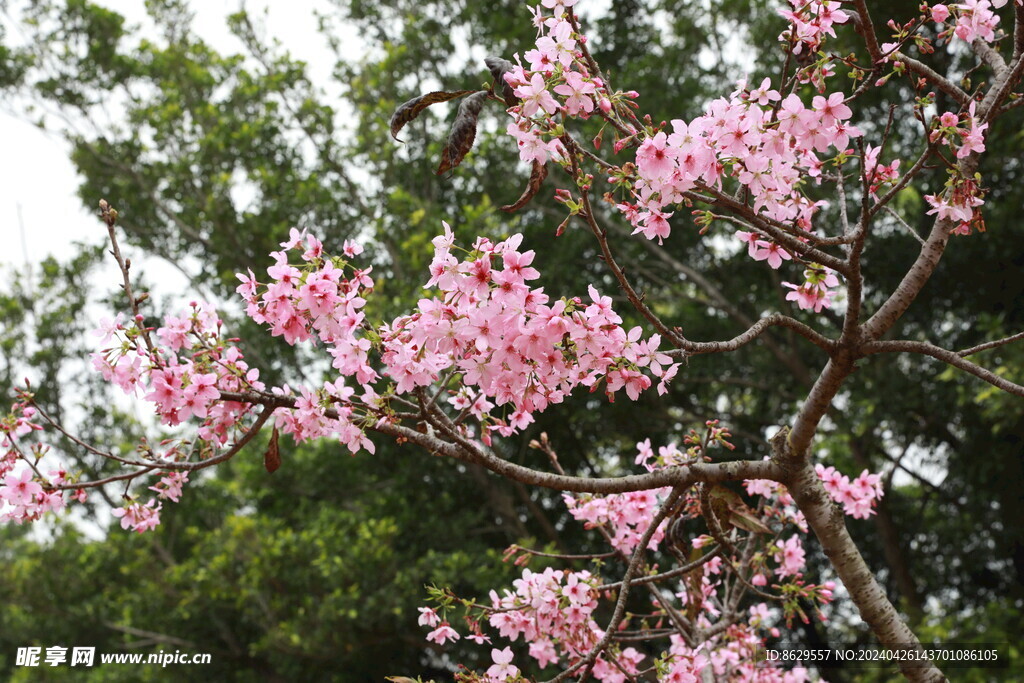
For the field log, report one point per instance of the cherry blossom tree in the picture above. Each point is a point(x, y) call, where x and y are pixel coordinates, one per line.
point(718, 570)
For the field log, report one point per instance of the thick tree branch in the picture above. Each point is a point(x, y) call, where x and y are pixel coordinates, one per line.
point(467, 450)
point(989, 56)
point(817, 404)
point(867, 29)
point(826, 520)
point(1018, 31)
point(1003, 86)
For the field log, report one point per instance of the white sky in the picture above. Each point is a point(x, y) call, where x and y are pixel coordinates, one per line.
point(36, 174)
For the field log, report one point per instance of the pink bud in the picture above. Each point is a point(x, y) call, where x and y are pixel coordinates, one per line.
point(632, 94)
point(558, 233)
point(605, 104)
point(940, 13)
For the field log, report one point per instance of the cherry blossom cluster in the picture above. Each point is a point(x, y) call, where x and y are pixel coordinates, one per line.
point(316, 297)
point(810, 23)
point(817, 290)
point(555, 67)
point(974, 19)
point(970, 139)
point(961, 199)
point(626, 515)
point(26, 495)
point(183, 373)
point(320, 297)
point(858, 497)
point(766, 143)
point(512, 346)
point(18, 423)
point(876, 173)
point(743, 137)
point(27, 500)
point(142, 517)
point(514, 349)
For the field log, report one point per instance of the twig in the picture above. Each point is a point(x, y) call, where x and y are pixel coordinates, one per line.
point(950, 357)
point(899, 218)
point(990, 345)
point(109, 216)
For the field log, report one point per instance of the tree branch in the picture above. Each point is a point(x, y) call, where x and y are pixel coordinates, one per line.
point(951, 357)
point(990, 345)
point(940, 81)
point(775, 319)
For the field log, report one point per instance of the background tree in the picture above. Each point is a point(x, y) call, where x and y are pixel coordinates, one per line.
point(202, 125)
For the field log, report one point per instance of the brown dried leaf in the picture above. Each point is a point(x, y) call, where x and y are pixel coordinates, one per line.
point(499, 67)
point(463, 132)
point(730, 510)
point(694, 593)
point(537, 176)
point(411, 109)
point(272, 456)
point(744, 518)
